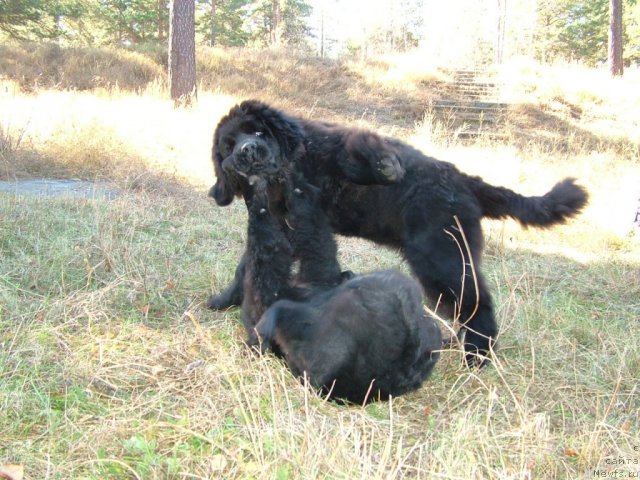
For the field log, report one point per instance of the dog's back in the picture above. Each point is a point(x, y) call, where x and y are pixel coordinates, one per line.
point(367, 338)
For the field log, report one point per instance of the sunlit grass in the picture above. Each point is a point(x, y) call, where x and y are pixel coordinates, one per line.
point(65, 133)
point(112, 364)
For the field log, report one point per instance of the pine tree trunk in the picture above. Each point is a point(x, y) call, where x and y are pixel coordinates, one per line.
point(160, 26)
point(615, 38)
point(502, 20)
point(182, 52)
point(275, 22)
point(212, 40)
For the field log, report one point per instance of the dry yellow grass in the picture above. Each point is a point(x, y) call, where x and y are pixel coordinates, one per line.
point(110, 366)
point(109, 135)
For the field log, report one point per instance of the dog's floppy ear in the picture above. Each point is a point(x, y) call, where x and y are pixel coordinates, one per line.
point(224, 189)
point(286, 129)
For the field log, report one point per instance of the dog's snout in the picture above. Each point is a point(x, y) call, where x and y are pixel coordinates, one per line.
point(248, 146)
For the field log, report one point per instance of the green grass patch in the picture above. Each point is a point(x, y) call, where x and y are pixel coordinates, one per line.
point(111, 367)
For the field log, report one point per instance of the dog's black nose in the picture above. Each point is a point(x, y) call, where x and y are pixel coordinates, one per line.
point(248, 146)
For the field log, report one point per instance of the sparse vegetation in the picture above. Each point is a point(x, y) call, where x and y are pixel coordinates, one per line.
point(111, 367)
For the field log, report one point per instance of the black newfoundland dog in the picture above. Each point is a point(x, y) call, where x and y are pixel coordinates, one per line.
point(387, 191)
point(363, 340)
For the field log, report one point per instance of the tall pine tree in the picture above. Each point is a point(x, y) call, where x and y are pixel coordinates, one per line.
point(281, 22)
point(182, 52)
point(222, 22)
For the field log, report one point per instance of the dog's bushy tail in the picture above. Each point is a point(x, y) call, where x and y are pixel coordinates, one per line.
point(565, 200)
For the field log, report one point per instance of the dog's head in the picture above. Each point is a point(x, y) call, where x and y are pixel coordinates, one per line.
point(252, 140)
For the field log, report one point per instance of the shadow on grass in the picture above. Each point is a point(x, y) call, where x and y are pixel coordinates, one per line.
point(529, 125)
point(123, 173)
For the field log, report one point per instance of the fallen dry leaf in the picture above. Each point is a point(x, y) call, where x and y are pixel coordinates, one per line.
point(218, 462)
point(193, 350)
point(11, 472)
point(570, 452)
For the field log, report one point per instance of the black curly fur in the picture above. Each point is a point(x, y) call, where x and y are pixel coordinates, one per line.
point(363, 340)
point(268, 263)
point(360, 341)
point(389, 192)
point(285, 224)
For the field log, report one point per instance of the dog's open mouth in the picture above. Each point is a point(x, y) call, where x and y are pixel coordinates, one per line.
point(252, 178)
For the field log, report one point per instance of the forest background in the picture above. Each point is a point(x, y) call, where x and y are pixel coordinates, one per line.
point(462, 31)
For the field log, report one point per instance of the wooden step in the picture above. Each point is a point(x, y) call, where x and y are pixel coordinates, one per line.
point(473, 106)
point(470, 113)
point(468, 116)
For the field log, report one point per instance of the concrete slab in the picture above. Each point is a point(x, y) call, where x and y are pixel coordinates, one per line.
point(59, 188)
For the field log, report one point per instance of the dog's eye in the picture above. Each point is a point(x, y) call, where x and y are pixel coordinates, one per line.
point(227, 147)
point(259, 134)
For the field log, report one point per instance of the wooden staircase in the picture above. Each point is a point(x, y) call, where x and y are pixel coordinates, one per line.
point(471, 108)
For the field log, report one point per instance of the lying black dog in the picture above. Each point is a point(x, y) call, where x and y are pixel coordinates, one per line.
point(363, 340)
point(385, 190)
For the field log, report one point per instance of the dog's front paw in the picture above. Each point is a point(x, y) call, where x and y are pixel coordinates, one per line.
point(220, 302)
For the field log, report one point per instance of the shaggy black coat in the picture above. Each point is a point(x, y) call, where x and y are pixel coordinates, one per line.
point(364, 340)
point(387, 191)
point(298, 228)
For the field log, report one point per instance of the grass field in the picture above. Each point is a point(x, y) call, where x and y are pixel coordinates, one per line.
point(111, 367)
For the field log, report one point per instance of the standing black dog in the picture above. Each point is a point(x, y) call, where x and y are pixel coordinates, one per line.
point(363, 340)
point(385, 190)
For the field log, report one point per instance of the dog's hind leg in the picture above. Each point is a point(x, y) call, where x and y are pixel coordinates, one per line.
point(442, 262)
